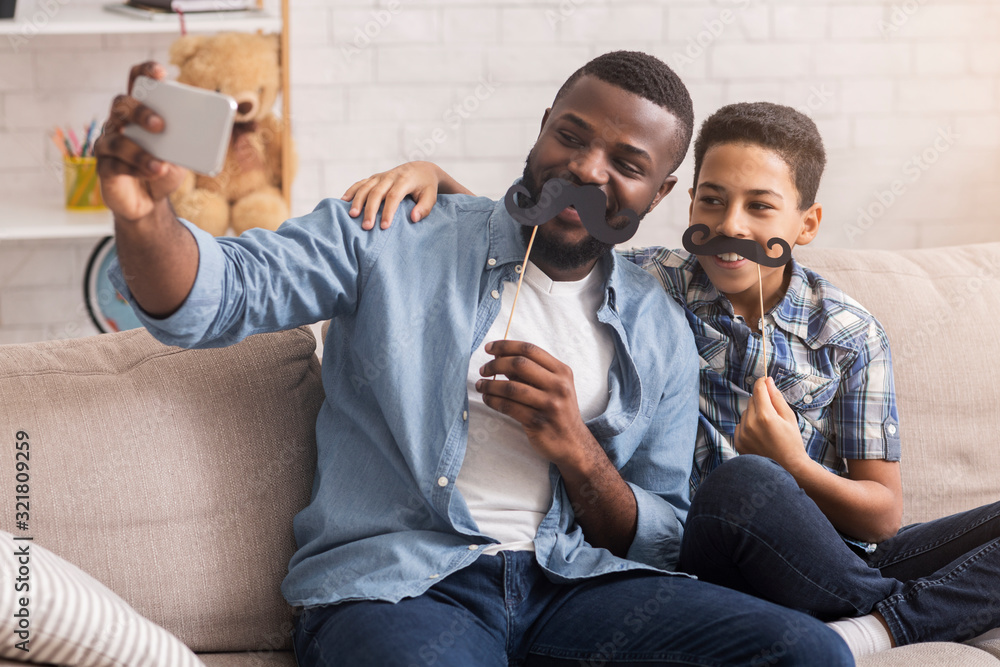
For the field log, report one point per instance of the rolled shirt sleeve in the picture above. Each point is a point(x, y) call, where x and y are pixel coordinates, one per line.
point(309, 270)
point(189, 323)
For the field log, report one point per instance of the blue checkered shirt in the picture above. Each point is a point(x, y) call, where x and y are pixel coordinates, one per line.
point(828, 356)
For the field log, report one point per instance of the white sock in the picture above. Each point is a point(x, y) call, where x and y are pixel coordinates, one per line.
point(864, 635)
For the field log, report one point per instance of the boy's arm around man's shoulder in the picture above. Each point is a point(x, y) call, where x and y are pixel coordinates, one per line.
point(659, 471)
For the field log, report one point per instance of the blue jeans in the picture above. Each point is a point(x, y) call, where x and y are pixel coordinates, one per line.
point(502, 610)
point(751, 528)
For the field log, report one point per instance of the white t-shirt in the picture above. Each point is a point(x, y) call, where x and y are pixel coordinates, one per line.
point(504, 481)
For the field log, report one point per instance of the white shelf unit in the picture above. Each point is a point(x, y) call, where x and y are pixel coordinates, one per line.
point(31, 220)
point(95, 20)
point(44, 219)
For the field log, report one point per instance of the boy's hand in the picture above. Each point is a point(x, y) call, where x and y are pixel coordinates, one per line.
point(133, 182)
point(540, 394)
point(418, 179)
point(770, 428)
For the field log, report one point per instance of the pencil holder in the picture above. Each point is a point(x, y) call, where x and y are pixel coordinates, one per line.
point(83, 189)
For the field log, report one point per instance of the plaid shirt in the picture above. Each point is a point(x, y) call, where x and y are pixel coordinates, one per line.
point(828, 356)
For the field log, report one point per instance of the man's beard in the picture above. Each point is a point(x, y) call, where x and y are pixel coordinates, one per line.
point(552, 252)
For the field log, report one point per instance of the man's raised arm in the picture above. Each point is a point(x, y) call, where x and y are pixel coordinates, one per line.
point(158, 255)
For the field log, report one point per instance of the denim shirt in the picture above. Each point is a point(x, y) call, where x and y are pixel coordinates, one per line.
point(408, 306)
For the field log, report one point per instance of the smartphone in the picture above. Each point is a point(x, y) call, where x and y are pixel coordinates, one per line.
point(197, 124)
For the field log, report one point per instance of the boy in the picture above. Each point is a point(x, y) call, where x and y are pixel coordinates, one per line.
point(775, 522)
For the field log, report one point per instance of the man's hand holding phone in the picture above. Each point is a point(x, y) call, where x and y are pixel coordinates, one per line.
point(134, 184)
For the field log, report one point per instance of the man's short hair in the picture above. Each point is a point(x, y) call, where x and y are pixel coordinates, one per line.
point(648, 77)
point(789, 133)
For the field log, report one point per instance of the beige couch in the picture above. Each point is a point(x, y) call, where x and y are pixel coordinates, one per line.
point(172, 476)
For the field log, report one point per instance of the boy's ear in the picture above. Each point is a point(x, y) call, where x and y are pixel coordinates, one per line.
point(691, 204)
point(810, 224)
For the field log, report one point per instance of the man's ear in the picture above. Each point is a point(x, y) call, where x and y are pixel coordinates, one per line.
point(665, 188)
point(810, 224)
point(545, 117)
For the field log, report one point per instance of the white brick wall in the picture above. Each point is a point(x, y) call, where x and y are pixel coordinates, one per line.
point(378, 81)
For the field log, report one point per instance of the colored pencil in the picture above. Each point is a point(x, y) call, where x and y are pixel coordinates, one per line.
point(59, 145)
point(86, 142)
point(76, 143)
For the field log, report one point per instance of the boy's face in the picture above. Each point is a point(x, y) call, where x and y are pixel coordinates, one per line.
point(746, 191)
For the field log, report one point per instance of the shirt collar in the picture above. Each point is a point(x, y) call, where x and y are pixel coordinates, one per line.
point(701, 293)
point(506, 244)
point(790, 314)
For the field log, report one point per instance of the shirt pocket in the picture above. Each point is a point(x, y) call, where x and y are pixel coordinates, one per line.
point(805, 392)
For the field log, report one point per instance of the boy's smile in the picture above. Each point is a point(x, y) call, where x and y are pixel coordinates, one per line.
point(746, 191)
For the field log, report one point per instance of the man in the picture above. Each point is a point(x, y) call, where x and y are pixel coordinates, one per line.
point(456, 518)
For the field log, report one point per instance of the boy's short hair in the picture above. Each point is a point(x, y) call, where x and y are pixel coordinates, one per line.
point(648, 77)
point(789, 133)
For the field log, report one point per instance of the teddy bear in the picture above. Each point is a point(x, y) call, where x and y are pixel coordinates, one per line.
point(247, 192)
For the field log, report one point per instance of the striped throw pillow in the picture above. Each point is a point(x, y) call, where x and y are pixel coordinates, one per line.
point(55, 613)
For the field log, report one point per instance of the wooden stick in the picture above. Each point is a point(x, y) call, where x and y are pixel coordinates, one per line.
point(524, 269)
point(763, 333)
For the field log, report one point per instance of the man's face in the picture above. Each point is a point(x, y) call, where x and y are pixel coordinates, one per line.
point(747, 192)
point(602, 135)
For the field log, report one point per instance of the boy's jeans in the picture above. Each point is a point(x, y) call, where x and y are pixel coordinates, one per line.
point(752, 529)
point(502, 610)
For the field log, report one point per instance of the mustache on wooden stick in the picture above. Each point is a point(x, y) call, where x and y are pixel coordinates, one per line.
point(743, 247)
point(590, 202)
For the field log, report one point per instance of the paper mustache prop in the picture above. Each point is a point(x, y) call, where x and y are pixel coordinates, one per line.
point(590, 202)
point(745, 248)
point(591, 205)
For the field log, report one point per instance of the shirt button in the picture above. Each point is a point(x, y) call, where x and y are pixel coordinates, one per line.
point(473, 547)
point(442, 481)
point(891, 429)
point(491, 262)
point(495, 294)
point(807, 399)
point(465, 415)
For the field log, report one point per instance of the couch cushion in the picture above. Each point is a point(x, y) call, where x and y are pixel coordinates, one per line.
point(170, 475)
point(937, 306)
point(931, 654)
